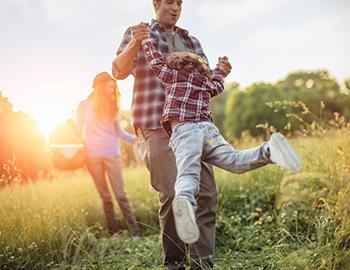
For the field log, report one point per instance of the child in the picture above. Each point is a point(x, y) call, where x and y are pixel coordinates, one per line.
point(187, 118)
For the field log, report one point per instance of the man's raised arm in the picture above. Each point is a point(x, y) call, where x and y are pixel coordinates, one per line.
point(127, 52)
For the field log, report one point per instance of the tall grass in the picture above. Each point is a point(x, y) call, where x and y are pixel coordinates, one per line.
point(61, 219)
point(267, 218)
point(272, 220)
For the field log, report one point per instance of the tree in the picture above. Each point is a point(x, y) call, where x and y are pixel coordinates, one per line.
point(308, 96)
point(22, 147)
point(218, 105)
point(347, 83)
point(246, 109)
point(312, 88)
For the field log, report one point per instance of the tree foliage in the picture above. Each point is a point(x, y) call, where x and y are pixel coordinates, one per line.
point(218, 105)
point(22, 146)
point(347, 83)
point(308, 95)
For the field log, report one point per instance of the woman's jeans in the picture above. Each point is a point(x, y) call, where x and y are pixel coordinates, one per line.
point(98, 167)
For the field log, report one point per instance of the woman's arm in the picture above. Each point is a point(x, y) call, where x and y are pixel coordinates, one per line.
point(121, 133)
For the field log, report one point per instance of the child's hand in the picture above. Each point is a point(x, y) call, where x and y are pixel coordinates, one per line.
point(139, 33)
point(224, 65)
point(146, 36)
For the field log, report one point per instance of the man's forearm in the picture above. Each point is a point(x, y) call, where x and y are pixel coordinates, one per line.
point(123, 64)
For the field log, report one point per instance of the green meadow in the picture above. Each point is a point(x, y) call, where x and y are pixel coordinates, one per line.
point(267, 219)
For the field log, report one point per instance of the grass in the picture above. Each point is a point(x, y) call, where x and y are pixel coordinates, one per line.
point(267, 219)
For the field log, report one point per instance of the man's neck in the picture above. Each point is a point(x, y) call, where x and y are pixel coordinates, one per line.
point(171, 29)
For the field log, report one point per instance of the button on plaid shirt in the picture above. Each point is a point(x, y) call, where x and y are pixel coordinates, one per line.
point(148, 94)
point(187, 94)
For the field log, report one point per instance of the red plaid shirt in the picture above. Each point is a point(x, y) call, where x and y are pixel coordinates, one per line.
point(187, 95)
point(148, 95)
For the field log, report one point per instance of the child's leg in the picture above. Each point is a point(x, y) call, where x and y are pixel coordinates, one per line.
point(187, 145)
point(220, 153)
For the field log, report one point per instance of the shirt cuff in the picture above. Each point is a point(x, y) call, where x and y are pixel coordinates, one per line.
point(218, 71)
point(147, 44)
point(117, 73)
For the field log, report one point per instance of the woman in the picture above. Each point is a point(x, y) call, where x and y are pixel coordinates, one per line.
point(97, 122)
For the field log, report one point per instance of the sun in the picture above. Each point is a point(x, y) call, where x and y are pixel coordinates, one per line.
point(46, 128)
point(47, 123)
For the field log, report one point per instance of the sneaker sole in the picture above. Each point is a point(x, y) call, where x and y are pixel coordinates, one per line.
point(291, 160)
point(186, 226)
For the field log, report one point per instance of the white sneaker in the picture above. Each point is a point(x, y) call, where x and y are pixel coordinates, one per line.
point(185, 221)
point(283, 154)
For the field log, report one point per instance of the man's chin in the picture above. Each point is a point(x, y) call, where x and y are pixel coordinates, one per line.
point(173, 20)
point(170, 24)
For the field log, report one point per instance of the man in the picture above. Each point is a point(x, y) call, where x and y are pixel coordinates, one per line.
point(147, 108)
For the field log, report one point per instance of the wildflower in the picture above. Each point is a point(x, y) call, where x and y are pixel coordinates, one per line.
point(269, 219)
point(309, 83)
point(258, 222)
point(32, 246)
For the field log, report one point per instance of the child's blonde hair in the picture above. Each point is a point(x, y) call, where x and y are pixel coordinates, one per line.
point(188, 62)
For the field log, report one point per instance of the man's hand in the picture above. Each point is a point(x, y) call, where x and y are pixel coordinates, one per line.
point(123, 64)
point(139, 33)
point(224, 65)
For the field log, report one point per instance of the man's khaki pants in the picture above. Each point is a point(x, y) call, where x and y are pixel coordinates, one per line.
point(160, 161)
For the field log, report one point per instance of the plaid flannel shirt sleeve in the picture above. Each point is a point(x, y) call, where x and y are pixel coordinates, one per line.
point(117, 73)
point(157, 63)
point(216, 85)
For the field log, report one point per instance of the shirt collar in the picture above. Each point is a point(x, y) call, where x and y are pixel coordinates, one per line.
point(156, 25)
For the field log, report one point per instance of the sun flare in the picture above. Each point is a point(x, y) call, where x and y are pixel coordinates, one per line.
point(46, 128)
point(47, 123)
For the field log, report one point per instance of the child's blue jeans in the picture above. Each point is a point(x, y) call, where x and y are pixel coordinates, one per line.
point(193, 142)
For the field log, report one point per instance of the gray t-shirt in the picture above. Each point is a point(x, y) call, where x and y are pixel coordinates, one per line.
point(175, 43)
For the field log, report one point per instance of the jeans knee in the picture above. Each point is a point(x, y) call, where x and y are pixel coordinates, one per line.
point(121, 196)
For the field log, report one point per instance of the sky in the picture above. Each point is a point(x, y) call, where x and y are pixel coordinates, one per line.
point(50, 50)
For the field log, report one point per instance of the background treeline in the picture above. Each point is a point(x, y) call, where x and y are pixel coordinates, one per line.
point(300, 102)
point(24, 153)
point(22, 146)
